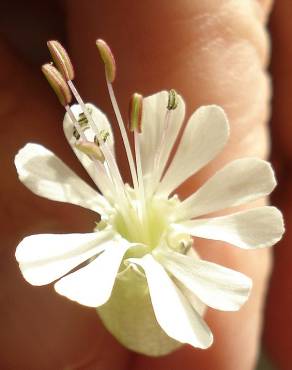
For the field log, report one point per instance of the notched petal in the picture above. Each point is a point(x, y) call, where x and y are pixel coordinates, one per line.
point(169, 303)
point(44, 258)
point(250, 229)
point(205, 135)
point(47, 176)
point(239, 182)
point(92, 285)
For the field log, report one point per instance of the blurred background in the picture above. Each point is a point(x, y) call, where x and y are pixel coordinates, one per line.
point(24, 29)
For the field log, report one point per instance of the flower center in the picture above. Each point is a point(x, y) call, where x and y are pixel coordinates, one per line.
point(152, 228)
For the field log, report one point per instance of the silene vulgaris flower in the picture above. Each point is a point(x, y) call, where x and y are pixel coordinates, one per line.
point(138, 267)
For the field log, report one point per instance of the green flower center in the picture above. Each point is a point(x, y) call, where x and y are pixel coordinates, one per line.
point(149, 228)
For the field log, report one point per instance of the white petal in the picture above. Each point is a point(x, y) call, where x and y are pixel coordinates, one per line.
point(153, 124)
point(195, 302)
point(128, 315)
point(44, 258)
point(254, 228)
point(239, 182)
point(172, 310)
point(204, 137)
point(215, 285)
point(95, 170)
point(92, 285)
point(47, 176)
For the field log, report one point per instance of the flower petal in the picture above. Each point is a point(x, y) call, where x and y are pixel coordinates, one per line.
point(153, 129)
point(92, 285)
point(253, 228)
point(215, 285)
point(204, 137)
point(47, 176)
point(129, 316)
point(44, 258)
point(172, 310)
point(98, 175)
point(197, 304)
point(239, 182)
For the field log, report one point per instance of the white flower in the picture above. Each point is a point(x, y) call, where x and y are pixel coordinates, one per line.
point(150, 287)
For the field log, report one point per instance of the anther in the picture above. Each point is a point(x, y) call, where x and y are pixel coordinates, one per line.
point(83, 123)
point(172, 100)
point(104, 134)
point(82, 119)
point(57, 83)
point(186, 245)
point(108, 59)
point(91, 149)
point(135, 113)
point(76, 133)
point(61, 59)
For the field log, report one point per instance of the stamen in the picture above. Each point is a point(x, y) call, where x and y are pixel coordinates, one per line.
point(135, 123)
point(104, 136)
point(57, 83)
point(91, 149)
point(109, 166)
point(172, 105)
point(110, 72)
point(158, 168)
point(124, 135)
point(141, 189)
point(108, 59)
point(83, 123)
point(79, 132)
point(186, 245)
point(135, 113)
point(61, 59)
point(121, 196)
point(109, 158)
point(63, 62)
point(172, 100)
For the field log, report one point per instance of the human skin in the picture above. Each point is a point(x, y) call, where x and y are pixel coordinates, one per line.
point(213, 51)
point(277, 333)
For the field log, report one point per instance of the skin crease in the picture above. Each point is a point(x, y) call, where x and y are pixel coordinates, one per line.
point(211, 53)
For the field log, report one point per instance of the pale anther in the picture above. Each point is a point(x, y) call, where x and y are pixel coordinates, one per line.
point(91, 149)
point(57, 83)
point(61, 59)
point(135, 112)
point(108, 59)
